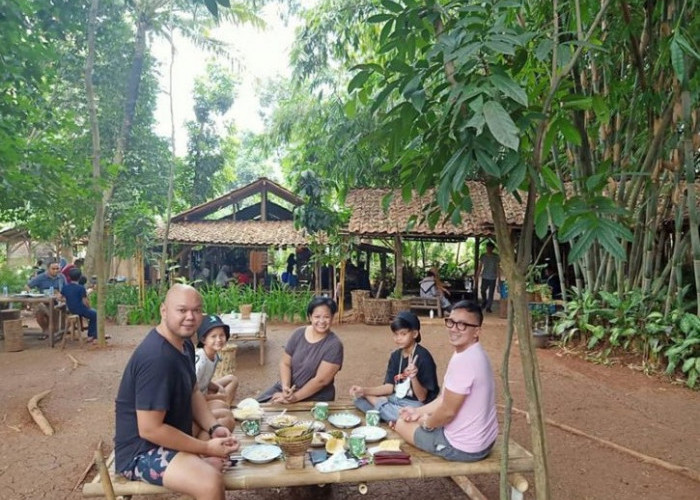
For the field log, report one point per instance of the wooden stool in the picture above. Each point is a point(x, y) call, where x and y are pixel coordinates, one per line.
point(73, 328)
point(14, 335)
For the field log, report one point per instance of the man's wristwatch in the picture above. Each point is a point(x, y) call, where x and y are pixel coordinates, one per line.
point(213, 428)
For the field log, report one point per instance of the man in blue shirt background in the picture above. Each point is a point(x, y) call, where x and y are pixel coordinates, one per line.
point(77, 302)
point(42, 282)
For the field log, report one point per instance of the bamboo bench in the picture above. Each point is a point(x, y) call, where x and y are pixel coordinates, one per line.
point(427, 304)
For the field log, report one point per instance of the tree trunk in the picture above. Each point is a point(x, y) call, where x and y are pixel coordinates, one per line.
point(690, 187)
point(132, 93)
point(171, 173)
point(520, 319)
point(98, 250)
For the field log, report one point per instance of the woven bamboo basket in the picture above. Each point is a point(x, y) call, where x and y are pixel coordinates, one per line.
point(377, 311)
point(294, 442)
point(357, 298)
point(14, 335)
point(398, 305)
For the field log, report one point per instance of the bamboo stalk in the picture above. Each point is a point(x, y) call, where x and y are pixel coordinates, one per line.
point(104, 476)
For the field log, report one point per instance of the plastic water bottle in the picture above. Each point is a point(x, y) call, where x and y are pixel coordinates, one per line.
point(50, 291)
point(5, 291)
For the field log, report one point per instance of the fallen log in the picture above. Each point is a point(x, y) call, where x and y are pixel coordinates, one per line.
point(37, 415)
point(678, 469)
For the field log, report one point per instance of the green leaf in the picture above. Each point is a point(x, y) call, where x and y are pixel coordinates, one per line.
point(551, 179)
point(602, 111)
point(690, 362)
point(212, 7)
point(225, 3)
point(358, 80)
point(485, 161)
point(509, 88)
point(685, 45)
point(350, 108)
point(379, 18)
point(392, 6)
point(569, 131)
point(677, 60)
point(501, 125)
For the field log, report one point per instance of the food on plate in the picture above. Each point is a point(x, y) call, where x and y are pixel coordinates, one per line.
point(315, 425)
point(390, 445)
point(248, 403)
point(279, 421)
point(337, 434)
point(335, 445)
point(266, 438)
point(247, 413)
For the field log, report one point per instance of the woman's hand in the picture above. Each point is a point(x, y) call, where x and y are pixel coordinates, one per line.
point(357, 392)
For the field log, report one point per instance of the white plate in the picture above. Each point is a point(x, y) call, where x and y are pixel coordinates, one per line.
point(373, 450)
point(266, 438)
point(261, 453)
point(370, 432)
point(317, 426)
point(344, 420)
point(248, 403)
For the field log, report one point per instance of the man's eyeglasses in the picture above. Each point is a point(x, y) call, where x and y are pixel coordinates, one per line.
point(461, 325)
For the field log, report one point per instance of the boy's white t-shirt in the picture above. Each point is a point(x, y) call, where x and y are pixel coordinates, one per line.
point(204, 368)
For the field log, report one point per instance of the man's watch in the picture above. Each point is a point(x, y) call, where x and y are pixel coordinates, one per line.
point(213, 428)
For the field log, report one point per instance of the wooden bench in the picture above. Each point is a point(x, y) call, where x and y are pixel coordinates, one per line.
point(427, 304)
point(245, 476)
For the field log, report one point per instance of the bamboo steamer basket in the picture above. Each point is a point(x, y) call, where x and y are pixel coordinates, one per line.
point(294, 441)
point(14, 335)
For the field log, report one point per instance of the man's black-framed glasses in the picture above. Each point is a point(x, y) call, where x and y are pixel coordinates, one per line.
point(461, 325)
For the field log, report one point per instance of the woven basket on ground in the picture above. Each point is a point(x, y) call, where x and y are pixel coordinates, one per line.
point(377, 311)
point(398, 305)
point(14, 335)
point(357, 298)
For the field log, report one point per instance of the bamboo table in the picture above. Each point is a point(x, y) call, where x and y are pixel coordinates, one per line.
point(253, 329)
point(246, 476)
point(52, 304)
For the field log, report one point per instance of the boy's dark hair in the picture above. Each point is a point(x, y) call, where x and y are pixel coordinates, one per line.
point(406, 320)
point(74, 274)
point(82, 280)
point(321, 301)
point(471, 307)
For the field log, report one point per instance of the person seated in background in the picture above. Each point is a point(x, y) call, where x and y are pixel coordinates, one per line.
point(311, 359)
point(222, 278)
point(411, 377)
point(77, 302)
point(212, 336)
point(51, 278)
point(77, 263)
point(430, 288)
point(461, 424)
point(38, 268)
point(552, 280)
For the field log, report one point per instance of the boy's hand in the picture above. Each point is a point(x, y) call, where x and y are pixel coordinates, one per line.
point(356, 391)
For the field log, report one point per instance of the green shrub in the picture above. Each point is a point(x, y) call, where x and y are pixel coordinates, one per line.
point(14, 278)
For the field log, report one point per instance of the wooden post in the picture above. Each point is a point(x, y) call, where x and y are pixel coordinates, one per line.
point(398, 261)
point(341, 298)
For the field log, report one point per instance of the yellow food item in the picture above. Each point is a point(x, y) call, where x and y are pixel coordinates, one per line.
point(335, 445)
point(390, 445)
point(246, 413)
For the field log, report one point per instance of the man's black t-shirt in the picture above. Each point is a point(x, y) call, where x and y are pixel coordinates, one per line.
point(427, 372)
point(157, 377)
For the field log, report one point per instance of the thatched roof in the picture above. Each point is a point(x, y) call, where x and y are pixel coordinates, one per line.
point(235, 233)
point(369, 219)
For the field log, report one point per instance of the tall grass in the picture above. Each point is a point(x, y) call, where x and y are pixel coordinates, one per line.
point(279, 303)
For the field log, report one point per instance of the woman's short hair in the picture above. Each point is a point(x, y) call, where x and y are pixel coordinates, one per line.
point(321, 301)
point(406, 320)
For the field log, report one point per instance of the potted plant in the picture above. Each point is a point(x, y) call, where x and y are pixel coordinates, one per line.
point(399, 303)
point(539, 319)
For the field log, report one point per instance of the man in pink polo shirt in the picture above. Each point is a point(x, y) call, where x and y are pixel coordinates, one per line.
point(461, 423)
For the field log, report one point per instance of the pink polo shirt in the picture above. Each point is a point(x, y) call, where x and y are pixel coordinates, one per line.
point(475, 426)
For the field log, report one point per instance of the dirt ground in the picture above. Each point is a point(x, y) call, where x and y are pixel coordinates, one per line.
point(616, 403)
